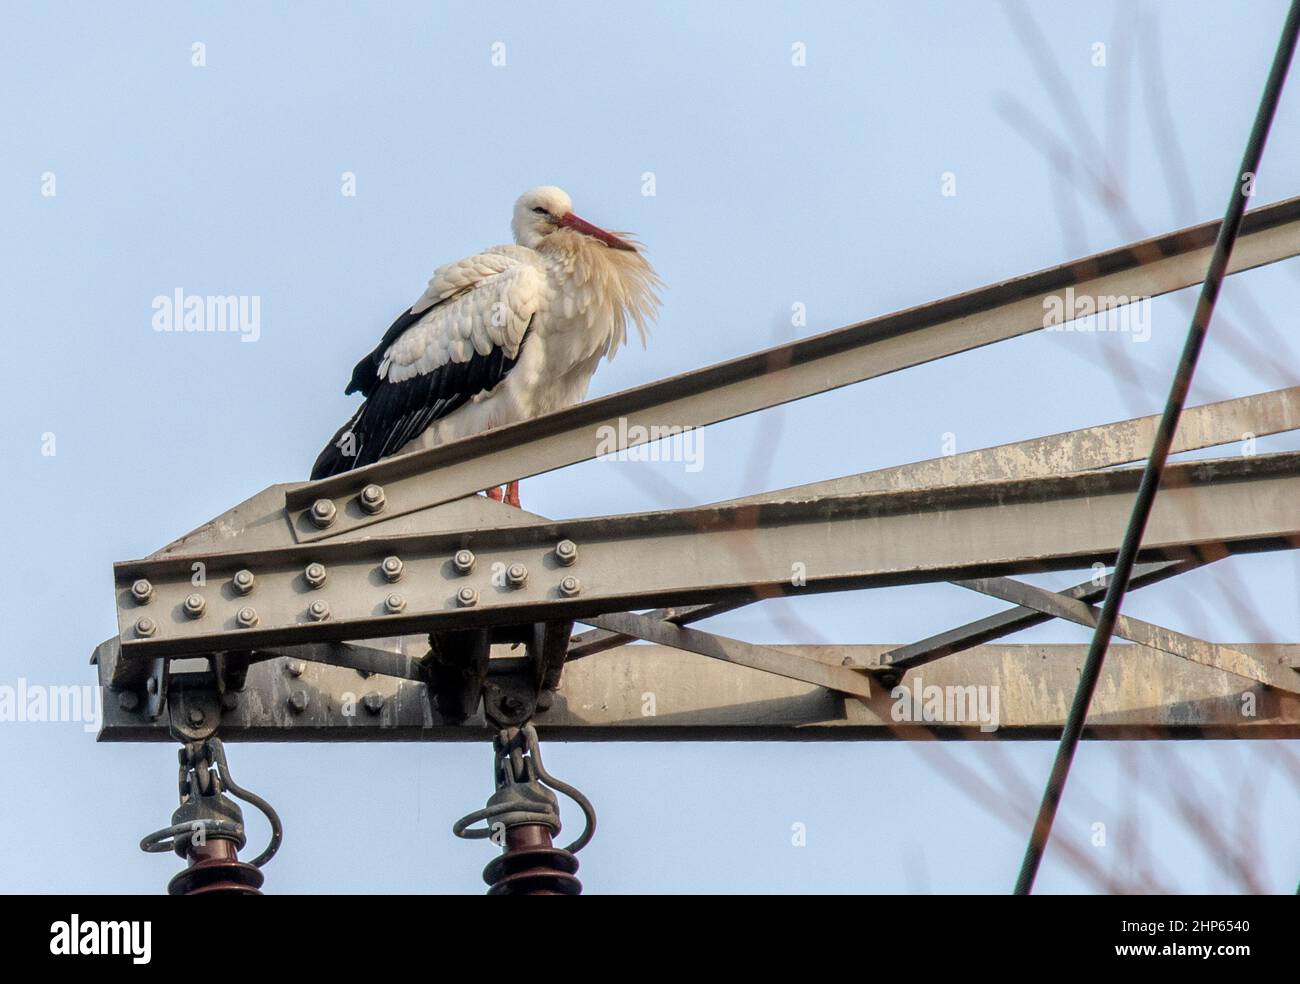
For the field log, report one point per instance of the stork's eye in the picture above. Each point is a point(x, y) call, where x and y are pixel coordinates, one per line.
point(541, 211)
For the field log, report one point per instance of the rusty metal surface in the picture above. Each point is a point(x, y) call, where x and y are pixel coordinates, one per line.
point(785, 373)
point(654, 693)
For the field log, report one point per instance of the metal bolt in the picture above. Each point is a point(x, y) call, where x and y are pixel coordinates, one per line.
point(298, 701)
point(295, 667)
point(318, 611)
point(467, 597)
point(394, 603)
point(195, 605)
point(196, 715)
point(315, 575)
point(145, 627)
point(566, 553)
point(246, 618)
point(463, 561)
point(516, 575)
point(242, 582)
point(128, 700)
point(372, 499)
point(323, 513)
point(570, 587)
point(374, 703)
point(142, 591)
point(229, 700)
point(392, 568)
point(151, 685)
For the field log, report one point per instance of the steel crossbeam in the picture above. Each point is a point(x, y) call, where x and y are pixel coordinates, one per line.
point(280, 590)
point(717, 553)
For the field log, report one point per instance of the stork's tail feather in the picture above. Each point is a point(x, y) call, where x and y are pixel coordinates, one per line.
point(341, 453)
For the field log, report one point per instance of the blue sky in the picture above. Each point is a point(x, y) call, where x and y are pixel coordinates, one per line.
point(775, 184)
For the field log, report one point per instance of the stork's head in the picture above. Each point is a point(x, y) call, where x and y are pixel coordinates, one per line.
point(541, 211)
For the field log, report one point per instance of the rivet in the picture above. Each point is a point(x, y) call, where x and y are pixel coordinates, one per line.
point(467, 597)
point(392, 568)
point(294, 667)
point(128, 700)
point(196, 715)
point(298, 701)
point(142, 591)
point(570, 587)
point(516, 575)
point(323, 513)
point(318, 611)
point(246, 618)
point(394, 603)
point(230, 700)
point(463, 561)
point(243, 581)
point(145, 627)
point(315, 574)
point(566, 552)
point(374, 703)
point(195, 605)
point(372, 499)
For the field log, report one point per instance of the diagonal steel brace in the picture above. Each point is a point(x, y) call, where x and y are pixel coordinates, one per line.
point(1211, 654)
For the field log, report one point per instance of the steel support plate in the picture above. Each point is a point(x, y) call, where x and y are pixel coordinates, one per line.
point(712, 554)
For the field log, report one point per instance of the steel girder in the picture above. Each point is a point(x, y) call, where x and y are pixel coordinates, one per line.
point(715, 553)
point(974, 518)
point(788, 372)
point(656, 693)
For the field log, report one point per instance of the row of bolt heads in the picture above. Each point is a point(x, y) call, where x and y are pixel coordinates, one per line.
point(297, 701)
point(323, 512)
point(315, 574)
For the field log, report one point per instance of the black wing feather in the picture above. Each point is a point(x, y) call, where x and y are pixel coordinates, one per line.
point(395, 413)
point(365, 376)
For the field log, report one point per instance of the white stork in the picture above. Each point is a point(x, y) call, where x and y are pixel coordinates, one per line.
point(509, 334)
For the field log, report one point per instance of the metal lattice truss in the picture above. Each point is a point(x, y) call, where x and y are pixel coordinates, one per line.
point(395, 603)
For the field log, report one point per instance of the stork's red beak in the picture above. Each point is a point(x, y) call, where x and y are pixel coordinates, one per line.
point(571, 221)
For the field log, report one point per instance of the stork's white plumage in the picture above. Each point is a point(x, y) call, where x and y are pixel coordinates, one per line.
point(512, 333)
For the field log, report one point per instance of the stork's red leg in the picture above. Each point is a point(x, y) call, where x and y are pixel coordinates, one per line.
point(494, 493)
point(512, 494)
